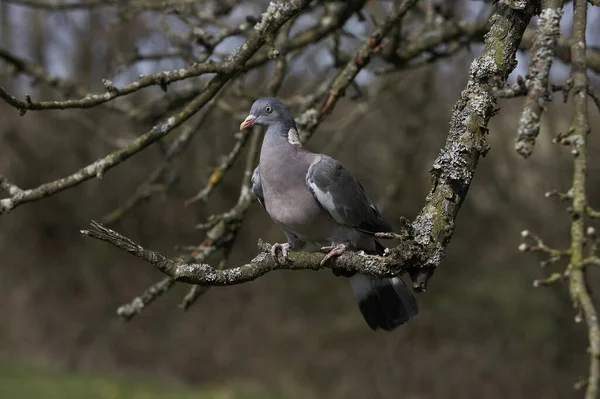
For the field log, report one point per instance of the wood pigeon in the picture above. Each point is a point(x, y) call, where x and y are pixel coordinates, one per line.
point(319, 205)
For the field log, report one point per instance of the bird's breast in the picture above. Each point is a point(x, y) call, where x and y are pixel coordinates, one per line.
point(288, 200)
point(294, 207)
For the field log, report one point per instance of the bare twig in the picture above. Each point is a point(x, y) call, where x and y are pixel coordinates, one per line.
point(218, 172)
point(145, 190)
point(39, 73)
point(363, 55)
point(228, 67)
point(592, 54)
point(581, 238)
point(162, 79)
point(99, 167)
point(275, 16)
point(554, 255)
point(129, 310)
point(578, 286)
point(594, 97)
point(228, 160)
point(195, 293)
point(592, 213)
point(542, 55)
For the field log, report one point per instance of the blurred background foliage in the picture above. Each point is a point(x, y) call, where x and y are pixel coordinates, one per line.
point(483, 331)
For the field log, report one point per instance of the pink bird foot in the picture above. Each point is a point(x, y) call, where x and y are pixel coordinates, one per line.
point(333, 250)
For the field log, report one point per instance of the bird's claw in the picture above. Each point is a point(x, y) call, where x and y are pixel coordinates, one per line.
point(333, 250)
point(284, 248)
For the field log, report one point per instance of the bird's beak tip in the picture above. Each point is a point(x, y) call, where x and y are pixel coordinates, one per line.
point(249, 121)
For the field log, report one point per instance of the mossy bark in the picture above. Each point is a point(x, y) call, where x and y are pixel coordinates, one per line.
point(454, 168)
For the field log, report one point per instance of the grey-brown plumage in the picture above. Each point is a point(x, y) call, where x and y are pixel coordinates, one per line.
point(319, 204)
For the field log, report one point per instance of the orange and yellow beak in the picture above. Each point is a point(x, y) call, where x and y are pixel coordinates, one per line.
point(249, 121)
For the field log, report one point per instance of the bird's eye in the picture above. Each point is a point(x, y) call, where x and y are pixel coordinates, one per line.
point(268, 109)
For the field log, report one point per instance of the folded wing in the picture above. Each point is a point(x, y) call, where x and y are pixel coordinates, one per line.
point(337, 191)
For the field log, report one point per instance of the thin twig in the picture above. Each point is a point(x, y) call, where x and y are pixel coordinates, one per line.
point(144, 191)
point(276, 15)
point(578, 285)
point(218, 172)
point(130, 309)
point(363, 55)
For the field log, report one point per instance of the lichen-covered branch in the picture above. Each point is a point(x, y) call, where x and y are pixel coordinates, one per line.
point(453, 170)
point(422, 245)
point(542, 55)
point(222, 232)
point(162, 79)
point(263, 30)
point(583, 248)
point(562, 51)
point(275, 16)
point(9, 187)
point(593, 213)
point(100, 166)
point(580, 128)
point(130, 309)
point(263, 263)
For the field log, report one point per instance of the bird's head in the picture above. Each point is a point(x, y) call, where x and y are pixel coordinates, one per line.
point(268, 111)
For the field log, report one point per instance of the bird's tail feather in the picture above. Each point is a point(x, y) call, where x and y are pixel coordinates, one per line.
point(384, 303)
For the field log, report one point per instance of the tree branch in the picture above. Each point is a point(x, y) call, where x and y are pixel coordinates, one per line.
point(10, 188)
point(162, 79)
point(145, 189)
point(592, 54)
point(100, 166)
point(275, 16)
point(241, 61)
point(363, 55)
point(129, 310)
point(453, 170)
point(542, 55)
point(582, 239)
point(222, 229)
point(219, 171)
point(263, 263)
point(61, 5)
point(421, 248)
point(578, 286)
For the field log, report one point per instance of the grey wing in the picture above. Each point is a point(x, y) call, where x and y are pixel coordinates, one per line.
point(337, 191)
point(257, 187)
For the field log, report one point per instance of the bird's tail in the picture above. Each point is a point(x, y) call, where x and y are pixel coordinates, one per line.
point(384, 303)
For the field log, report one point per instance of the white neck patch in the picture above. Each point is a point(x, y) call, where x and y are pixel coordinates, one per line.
point(294, 138)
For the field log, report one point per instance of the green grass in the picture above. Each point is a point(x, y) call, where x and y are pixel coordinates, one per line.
point(30, 383)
